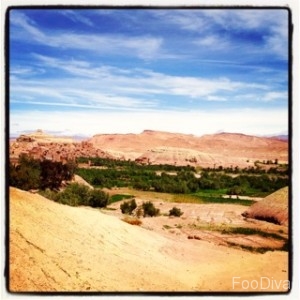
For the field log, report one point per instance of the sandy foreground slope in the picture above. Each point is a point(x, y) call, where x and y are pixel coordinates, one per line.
point(54, 247)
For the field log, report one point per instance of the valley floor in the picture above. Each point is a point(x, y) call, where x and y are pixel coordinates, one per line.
point(55, 248)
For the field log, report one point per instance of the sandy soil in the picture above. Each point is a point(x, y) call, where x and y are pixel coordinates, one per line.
point(205, 222)
point(55, 247)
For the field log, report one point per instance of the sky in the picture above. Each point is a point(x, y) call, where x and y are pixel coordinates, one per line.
point(196, 71)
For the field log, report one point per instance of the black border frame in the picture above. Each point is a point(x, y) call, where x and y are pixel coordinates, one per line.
point(290, 149)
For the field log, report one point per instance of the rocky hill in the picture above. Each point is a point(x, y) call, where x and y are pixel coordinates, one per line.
point(40, 145)
point(224, 149)
point(157, 147)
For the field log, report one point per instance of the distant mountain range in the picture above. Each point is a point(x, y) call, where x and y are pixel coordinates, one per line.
point(159, 147)
point(224, 149)
point(282, 137)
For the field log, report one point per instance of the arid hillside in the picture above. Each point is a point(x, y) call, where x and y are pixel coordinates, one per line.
point(54, 247)
point(224, 149)
point(156, 147)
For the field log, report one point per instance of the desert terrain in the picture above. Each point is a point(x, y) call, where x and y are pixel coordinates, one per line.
point(55, 247)
point(156, 147)
point(224, 149)
point(211, 247)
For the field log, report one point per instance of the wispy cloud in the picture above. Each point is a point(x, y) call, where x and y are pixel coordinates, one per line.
point(213, 41)
point(219, 28)
point(70, 97)
point(21, 70)
point(143, 80)
point(190, 20)
point(216, 29)
point(76, 17)
point(144, 47)
point(20, 20)
point(273, 96)
point(273, 23)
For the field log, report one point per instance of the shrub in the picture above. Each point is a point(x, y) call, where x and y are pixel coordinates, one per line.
point(79, 190)
point(49, 194)
point(149, 209)
point(97, 198)
point(128, 207)
point(176, 212)
point(78, 194)
point(74, 194)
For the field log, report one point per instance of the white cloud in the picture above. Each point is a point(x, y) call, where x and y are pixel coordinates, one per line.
point(212, 41)
point(216, 98)
point(21, 70)
point(272, 96)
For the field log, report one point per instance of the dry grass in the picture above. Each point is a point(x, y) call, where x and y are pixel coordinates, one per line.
point(155, 196)
point(132, 221)
point(273, 208)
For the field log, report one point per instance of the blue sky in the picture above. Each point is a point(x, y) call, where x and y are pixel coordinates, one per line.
point(198, 71)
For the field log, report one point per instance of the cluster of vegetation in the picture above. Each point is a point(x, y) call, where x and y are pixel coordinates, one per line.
point(276, 170)
point(78, 194)
point(184, 181)
point(147, 208)
point(47, 175)
point(176, 212)
point(128, 207)
point(31, 173)
point(116, 163)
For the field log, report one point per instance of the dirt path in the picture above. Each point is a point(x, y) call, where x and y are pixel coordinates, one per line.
point(55, 247)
